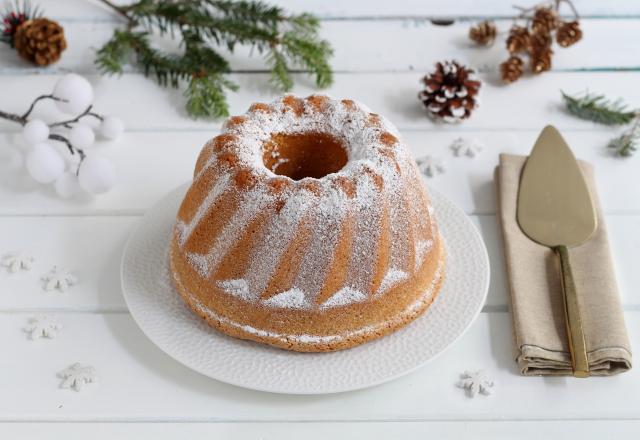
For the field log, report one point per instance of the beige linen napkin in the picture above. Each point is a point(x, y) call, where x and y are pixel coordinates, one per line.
point(536, 299)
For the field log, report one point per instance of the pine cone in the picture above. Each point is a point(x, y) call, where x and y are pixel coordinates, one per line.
point(518, 40)
point(540, 42)
point(483, 33)
point(450, 92)
point(544, 20)
point(512, 69)
point(541, 61)
point(40, 41)
point(568, 33)
point(541, 52)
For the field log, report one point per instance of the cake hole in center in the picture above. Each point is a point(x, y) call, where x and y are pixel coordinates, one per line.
point(304, 155)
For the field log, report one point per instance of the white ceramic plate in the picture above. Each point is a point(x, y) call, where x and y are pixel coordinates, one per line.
point(163, 317)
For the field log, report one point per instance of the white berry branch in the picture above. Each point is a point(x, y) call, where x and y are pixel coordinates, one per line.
point(24, 120)
point(72, 95)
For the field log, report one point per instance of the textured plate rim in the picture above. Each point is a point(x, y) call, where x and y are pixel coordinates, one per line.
point(438, 199)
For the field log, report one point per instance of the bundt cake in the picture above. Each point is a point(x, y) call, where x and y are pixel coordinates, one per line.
point(307, 227)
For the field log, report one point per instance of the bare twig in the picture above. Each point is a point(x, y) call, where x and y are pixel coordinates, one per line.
point(35, 101)
point(68, 122)
point(60, 138)
point(13, 117)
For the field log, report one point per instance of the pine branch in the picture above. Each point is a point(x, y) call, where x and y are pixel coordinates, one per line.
point(280, 77)
point(201, 24)
point(598, 109)
point(206, 96)
point(627, 143)
point(311, 56)
point(305, 48)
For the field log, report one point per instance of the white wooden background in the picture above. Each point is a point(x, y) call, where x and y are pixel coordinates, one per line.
point(381, 50)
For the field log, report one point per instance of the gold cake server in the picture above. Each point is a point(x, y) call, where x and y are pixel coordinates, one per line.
point(555, 209)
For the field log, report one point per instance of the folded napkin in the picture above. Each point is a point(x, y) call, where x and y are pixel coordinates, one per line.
point(536, 295)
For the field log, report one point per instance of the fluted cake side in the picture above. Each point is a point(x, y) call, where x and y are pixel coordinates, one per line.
point(307, 227)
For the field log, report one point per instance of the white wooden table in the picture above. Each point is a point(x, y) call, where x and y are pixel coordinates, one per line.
point(381, 51)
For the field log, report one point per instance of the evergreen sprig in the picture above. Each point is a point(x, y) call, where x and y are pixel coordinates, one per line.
point(627, 143)
point(204, 25)
point(598, 108)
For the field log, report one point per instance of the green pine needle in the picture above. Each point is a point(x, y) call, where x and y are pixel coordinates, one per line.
point(598, 109)
point(280, 77)
point(627, 143)
point(206, 96)
point(200, 25)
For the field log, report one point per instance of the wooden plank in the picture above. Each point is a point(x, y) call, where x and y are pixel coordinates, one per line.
point(150, 164)
point(528, 104)
point(379, 46)
point(527, 430)
point(434, 8)
point(137, 382)
point(336, 9)
point(92, 246)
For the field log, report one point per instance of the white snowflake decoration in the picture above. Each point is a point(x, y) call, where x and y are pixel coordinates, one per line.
point(467, 147)
point(77, 376)
point(430, 166)
point(475, 382)
point(18, 261)
point(58, 278)
point(43, 327)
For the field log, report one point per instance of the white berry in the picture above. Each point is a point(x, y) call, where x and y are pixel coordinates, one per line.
point(67, 185)
point(76, 93)
point(44, 163)
point(81, 136)
point(111, 127)
point(35, 131)
point(96, 174)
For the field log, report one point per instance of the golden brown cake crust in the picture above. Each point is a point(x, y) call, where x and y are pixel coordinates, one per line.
point(395, 317)
point(307, 227)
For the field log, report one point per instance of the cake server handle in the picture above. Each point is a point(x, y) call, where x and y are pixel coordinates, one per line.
point(573, 320)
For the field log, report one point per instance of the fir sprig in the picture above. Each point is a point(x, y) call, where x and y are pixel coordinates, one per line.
point(627, 143)
point(598, 108)
point(202, 26)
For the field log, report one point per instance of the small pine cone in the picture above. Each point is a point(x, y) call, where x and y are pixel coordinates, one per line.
point(512, 69)
point(483, 33)
point(545, 19)
point(518, 40)
point(40, 41)
point(568, 33)
point(540, 52)
point(541, 61)
point(540, 41)
point(450, 92)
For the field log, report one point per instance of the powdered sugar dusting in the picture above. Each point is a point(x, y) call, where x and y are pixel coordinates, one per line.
point(371, 186)
point(280, 230)
point(367, 233)
point(187, 228)
point(344, 296)
point(414, 307)
point(422, 249)
point(250, 206)
point(391, 278)
point(238, 288)
point(330, 214)
point(289, 299)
